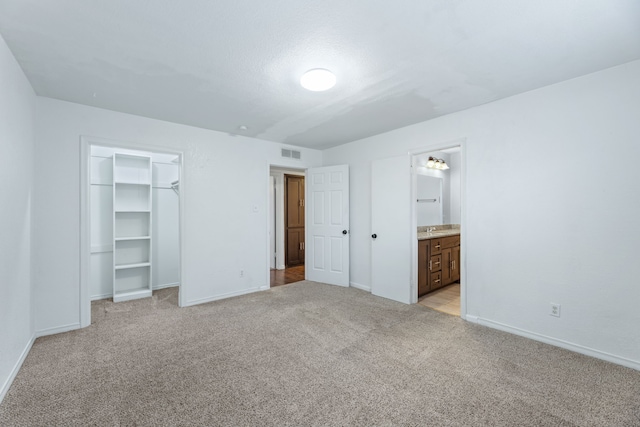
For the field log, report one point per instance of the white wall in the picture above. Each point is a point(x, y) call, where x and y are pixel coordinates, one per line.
point(224, 179)
point(455, 195)
point(17, 109)
point(546, 219)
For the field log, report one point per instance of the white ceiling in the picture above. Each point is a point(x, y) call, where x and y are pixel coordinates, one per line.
point(226, 63)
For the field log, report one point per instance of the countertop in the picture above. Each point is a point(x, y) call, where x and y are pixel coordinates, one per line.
point(440, 231)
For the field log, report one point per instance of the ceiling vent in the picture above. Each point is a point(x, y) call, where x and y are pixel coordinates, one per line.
point(291, 154)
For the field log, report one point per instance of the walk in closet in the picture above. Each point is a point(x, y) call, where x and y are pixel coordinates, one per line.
point(134, 223)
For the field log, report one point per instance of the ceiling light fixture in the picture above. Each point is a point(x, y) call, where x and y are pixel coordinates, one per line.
point(318, 80)
point(435, 163)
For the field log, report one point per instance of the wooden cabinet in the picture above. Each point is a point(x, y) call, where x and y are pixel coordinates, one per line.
point(438, 263)
point(423, 256)
point(455, 269)
point(294, 220)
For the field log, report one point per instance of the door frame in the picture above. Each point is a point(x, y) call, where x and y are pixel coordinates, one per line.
point(462, 143)
point(84, 312)
point(291, 170)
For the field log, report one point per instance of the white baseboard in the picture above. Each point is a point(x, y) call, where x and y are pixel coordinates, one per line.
point(280, 267)
point(16, 368)
point(154, 288)
point(57, 330)
point(166, 285)
point(224, 296)
point(633, 364)
point(359, 286)
point(101, 296)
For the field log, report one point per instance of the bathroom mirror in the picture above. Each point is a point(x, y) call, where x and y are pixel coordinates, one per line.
point(429, 202)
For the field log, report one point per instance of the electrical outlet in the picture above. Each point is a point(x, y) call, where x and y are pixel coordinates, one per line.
point(241, 273)
point(555, 310)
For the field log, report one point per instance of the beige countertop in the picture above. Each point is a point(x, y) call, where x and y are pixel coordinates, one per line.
point(423, 235)
point(440, 231)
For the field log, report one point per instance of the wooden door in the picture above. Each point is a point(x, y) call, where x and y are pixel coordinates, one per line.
point(455, 257)
point(423, 267)
point(294, 220)
point(446, 266)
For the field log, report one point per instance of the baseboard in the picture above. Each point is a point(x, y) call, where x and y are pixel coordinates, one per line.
point(16, 368)
point(166, 285)
point(359, 286)
point(154, 288)
point(102, 296)
point(224, 296)
point(281, 267)
point(57, 330)
point(633, 364)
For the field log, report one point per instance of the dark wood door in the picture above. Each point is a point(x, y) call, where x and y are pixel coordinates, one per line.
point(446, 266)
point(294, 219)
point(423, 267)
point(455, 257)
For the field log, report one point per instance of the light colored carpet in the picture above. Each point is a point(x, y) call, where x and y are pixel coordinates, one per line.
point(308, 354)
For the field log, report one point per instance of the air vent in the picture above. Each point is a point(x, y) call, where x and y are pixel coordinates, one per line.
point(291, 154)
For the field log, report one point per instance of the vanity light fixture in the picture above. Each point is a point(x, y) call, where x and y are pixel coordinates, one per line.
point(318, 80)
point(435, 163)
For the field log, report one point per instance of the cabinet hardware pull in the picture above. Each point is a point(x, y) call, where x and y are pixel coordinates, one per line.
point(437, 246)
point(437, 262)
point(436, 281)
point(454, 265)
point(429, 264)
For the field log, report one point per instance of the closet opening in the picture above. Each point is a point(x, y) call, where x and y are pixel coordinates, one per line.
point(130, 225)
point(286, 225)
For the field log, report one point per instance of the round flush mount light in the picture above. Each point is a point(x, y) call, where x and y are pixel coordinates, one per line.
point(318, 80)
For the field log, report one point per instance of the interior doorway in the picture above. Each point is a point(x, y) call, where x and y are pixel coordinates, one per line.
point(438, 212)
point(286, 225)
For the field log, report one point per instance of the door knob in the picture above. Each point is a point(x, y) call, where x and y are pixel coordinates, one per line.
point(374, 235)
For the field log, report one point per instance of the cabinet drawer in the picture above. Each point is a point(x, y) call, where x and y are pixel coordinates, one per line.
point(435, 263)
point(436, 246)
point(450, 242)
point(436, 280)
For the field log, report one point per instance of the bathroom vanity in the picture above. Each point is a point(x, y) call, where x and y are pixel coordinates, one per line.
point(438, 257)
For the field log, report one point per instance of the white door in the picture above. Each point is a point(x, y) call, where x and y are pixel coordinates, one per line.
point(327, 225)
point(391, 228)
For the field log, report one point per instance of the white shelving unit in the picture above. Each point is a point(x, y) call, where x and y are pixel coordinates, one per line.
point(131, 227)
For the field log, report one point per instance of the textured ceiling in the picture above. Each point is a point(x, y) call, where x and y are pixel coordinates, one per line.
point(226, 63)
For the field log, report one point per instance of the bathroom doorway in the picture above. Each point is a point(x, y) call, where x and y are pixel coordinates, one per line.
point(438, 217)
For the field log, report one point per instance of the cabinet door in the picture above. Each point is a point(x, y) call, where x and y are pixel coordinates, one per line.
point(423, 256)
point(295, 246)
point(455, 257)
point(446, 266)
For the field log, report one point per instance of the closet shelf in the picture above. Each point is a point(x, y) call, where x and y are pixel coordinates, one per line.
point(122, 239)
point(137, 265)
